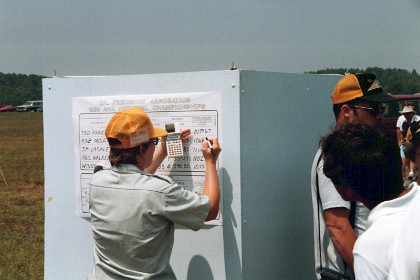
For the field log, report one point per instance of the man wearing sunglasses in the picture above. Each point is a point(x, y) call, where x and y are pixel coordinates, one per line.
point(133, 211)
point(357, 99)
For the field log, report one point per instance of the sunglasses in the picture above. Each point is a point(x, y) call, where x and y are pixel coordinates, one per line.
point(373, 111)
point(154, 140)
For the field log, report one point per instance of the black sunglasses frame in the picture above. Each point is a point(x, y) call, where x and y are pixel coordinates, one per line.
point(154, 140)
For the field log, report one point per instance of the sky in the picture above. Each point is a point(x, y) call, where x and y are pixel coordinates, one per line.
point(124, 37)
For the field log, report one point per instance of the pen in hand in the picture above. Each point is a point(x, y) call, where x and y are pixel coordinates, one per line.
point(213, 153)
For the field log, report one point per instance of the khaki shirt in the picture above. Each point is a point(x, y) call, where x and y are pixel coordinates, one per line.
point(133, 215)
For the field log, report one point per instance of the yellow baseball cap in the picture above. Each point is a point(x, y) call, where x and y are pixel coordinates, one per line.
point(131, 127)
point(359, 86)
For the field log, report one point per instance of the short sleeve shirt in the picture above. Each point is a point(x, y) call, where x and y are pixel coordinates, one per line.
point(330, 198)
point(406, 254)
point(374, 250)
point(133, 215)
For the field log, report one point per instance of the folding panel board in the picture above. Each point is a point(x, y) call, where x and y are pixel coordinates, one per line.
point(268, 124)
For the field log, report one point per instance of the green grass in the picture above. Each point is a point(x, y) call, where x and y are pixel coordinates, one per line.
point(22, 196)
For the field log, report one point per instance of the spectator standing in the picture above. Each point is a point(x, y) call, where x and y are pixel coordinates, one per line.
point(363, 163)
point(357, 98)
point(403, 123)
point(406, 260)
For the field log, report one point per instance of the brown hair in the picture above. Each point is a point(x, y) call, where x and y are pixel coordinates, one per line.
point(125, 156)
point(365, 158)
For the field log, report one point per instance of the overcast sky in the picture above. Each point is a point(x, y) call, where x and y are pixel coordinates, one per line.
point(102, 37)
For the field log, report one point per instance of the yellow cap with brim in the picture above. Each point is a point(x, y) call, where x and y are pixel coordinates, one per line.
point(359, 86)
point(131, 127)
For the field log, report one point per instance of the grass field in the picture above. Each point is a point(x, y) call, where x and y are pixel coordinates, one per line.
point(22, 196)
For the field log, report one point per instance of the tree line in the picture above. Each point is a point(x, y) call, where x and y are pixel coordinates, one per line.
point(15, 89)
point(392, 80)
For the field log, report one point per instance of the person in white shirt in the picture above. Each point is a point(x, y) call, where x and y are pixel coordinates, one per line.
point(406, 261)
point(363, 162)
point(408, 116)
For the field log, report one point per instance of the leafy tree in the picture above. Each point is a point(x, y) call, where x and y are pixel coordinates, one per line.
point(15, 89)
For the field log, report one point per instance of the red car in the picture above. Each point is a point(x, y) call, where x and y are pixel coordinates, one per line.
point(7, 108)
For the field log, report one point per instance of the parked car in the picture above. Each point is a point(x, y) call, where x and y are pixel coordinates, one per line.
point(392, 109)
point(7, 108)
point(30, 106)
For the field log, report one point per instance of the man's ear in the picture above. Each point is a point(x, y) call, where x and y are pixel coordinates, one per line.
point(143, 149)
point(345, 111)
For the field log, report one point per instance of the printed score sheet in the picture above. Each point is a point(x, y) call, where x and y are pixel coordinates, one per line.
point(198, 111)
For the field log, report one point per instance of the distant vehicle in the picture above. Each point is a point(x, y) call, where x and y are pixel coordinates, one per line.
point(392, 109)
point(7, 108)
point(30, 106)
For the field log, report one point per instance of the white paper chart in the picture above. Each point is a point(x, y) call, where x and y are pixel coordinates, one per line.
point(199, 112)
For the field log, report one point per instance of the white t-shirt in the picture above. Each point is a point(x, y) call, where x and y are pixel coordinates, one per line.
point(401, 120)
point(330, 198)
point(406, 258)
point(374, 250)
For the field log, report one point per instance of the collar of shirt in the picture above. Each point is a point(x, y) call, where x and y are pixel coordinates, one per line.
point(127, 168)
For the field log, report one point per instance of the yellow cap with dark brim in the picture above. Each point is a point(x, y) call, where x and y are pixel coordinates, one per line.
point(360, 86)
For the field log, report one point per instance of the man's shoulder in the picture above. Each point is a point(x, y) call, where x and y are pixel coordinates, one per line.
point(317, 160)
point(400, 121)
